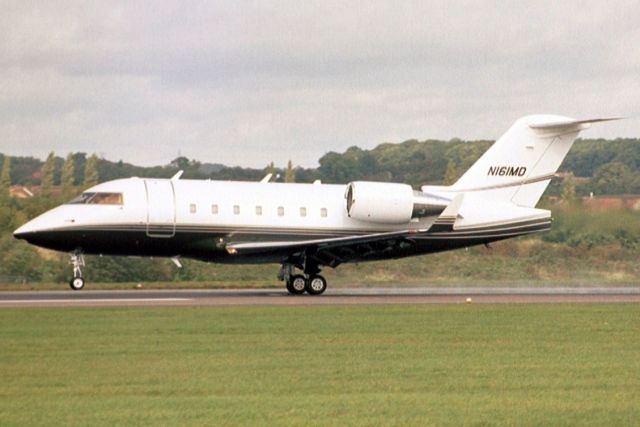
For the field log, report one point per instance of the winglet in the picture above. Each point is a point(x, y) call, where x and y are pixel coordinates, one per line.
point(447, 219)
point(177, 176)
point(266, 178)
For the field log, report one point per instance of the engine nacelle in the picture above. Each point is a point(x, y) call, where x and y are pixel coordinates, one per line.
point(380, 202)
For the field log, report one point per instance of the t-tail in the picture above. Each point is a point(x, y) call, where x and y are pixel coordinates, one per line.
point(518, 167)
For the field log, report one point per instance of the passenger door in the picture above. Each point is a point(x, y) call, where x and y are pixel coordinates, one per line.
point(161, 208)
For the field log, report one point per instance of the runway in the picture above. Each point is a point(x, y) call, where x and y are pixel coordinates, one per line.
point(341, 296)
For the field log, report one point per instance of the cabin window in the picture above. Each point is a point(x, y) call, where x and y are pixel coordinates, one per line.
point(280, 211)
point(214, 209)
point(258, 210)
point(303, 211)
point(192, 208)
point(323, 212)
point(236, 210)
point(98, 199)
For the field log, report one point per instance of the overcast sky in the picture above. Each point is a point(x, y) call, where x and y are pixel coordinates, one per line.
point(247, 82)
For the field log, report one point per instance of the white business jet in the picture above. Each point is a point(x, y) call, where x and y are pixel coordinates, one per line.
point(304, 227)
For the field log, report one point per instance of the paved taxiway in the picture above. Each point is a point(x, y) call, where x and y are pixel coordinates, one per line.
point(344, 296)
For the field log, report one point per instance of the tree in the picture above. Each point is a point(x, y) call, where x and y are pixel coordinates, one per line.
point(289, 175)
point(67, 180)
point(79, 163)
point(613, 178)
point(181, 163)
point(451, 174)
point(568, 193)
point(47, 173)
point(5, 178)
point(91, 172)
point(270, 169)
point(466, 154)
point(368, 164)
point(338, 168)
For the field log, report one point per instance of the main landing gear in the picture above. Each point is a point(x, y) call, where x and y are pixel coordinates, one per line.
point(297, 284)
point(77, 260)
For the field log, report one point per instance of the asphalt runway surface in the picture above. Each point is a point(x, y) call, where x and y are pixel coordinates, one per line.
point(338, 296)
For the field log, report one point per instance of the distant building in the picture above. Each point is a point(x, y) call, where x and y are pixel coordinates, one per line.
point(24, 192)
point(20, 192)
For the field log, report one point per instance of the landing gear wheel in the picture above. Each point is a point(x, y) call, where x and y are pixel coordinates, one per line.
point(296, 284)
point(77, 260)
point(316, 285)
point(77, 283)
point(290, 289)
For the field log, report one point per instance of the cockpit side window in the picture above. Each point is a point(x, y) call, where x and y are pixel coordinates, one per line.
point(106, 199)
point(98, 199)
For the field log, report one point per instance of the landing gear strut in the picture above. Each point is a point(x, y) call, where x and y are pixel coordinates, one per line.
point(77, 260)
point(297, 284)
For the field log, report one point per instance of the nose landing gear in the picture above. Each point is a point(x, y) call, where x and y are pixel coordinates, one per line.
point(77, 260)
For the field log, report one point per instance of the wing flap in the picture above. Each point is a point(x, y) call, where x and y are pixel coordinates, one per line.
point(255, 247)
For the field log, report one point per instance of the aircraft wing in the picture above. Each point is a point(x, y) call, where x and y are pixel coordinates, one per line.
point(331, 251)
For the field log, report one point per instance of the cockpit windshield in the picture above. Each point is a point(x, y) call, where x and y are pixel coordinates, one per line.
point(97, 199)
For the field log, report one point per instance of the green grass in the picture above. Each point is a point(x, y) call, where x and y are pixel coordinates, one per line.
point(369, 365)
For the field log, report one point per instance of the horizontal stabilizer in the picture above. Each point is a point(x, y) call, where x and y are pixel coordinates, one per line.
point(568, 123)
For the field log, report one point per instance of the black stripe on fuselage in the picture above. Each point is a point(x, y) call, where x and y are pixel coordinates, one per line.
point(209, 245)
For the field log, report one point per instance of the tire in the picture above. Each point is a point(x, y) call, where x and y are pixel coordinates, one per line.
point(289, 288)
point(296, 284)
point(76, 283)
point(316, 285)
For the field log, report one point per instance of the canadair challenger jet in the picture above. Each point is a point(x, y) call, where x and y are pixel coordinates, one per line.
point(309, 226)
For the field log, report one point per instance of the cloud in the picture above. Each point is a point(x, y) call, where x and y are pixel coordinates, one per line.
point(248, 82)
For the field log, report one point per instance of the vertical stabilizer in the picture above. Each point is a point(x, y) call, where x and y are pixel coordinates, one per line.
point(518, 167)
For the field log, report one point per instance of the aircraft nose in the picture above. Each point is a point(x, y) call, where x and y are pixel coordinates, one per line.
point(52, 230)
point(24, 231)
point(47, 231)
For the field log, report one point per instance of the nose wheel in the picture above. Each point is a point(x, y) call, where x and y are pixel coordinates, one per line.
point(77, 283)
point(77, 260)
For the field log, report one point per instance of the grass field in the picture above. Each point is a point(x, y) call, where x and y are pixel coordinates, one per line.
point(380, 365)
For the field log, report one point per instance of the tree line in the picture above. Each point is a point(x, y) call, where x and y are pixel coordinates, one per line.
point(74, 172)
point(599, 166)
